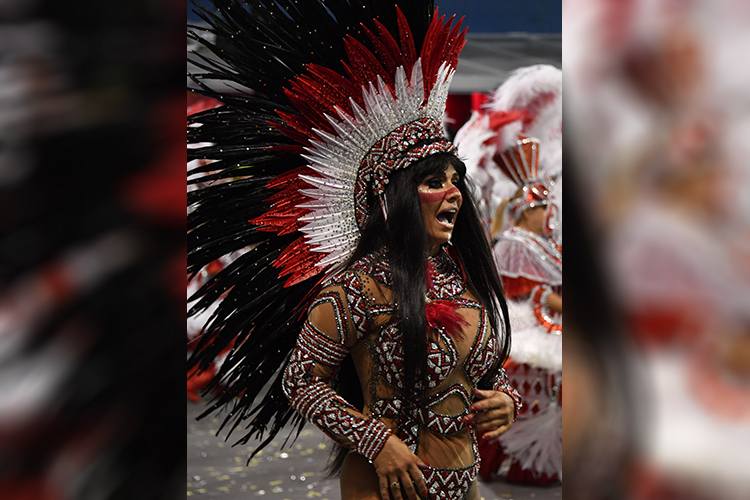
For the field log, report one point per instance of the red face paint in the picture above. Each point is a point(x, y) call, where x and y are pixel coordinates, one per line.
point(435, 199)
point(431, 197)
point(438, 195)
point(452, 191)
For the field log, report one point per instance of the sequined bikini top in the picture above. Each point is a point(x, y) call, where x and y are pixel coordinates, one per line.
point(454, 366)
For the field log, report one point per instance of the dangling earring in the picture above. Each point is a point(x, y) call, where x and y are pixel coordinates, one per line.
point(383, 203)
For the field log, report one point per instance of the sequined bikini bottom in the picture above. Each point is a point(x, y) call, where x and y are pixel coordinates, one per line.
point(442, 484)
point(449, 484)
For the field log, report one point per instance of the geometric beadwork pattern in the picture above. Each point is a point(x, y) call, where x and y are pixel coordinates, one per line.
point(481, 359)
point(387, 155)
point(451, 484)
point(339, 313)
point(317, 357)
point(445, 276)
point(447, 281)
point(312, 396)
point(440, 362)
point(355, 304)
point(390, 356)
point(445, 424)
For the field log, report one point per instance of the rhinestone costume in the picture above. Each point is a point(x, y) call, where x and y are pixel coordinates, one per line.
point(321, 101)
point(354, 314)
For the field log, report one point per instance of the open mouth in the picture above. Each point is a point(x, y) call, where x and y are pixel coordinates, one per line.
point(447, 217)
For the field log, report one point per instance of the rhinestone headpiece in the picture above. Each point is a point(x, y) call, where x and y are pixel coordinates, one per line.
point(355, 130)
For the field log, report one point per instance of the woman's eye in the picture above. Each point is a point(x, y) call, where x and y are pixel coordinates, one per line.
point(435, 184)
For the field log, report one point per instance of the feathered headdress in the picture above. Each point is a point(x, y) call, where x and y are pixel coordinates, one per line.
point(517, 136)
point(343, 93)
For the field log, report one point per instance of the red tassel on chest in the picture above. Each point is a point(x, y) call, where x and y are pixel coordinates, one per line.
point(443, 314)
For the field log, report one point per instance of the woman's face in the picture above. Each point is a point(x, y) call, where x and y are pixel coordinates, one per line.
point(440, 200)
point(534, 219)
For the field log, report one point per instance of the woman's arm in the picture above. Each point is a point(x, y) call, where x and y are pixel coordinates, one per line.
point(554, 302)
point(313, 366)
point(326, 338)
point(545, 303)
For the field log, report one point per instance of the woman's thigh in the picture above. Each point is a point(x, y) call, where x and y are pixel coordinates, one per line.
point(358, 479)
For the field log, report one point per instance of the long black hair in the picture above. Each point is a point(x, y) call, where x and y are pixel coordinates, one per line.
point(404, 234)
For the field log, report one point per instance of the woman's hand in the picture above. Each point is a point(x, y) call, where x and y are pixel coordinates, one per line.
point(491, 414)
point(398, 470)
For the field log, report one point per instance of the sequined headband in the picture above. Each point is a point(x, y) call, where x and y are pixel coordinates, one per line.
point(394, 152)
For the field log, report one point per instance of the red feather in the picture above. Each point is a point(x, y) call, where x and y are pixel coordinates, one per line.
point(444, 314)
point(322, 90)
point(408, 51)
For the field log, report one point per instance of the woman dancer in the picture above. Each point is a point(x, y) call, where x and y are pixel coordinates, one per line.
point(335, 178)
point(418, 316)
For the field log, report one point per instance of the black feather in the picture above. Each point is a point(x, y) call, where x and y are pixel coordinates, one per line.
point(257, 48)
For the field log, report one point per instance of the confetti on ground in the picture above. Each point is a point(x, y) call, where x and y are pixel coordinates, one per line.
point(295, 472)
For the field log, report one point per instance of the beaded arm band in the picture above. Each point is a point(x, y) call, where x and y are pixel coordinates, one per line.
point(501, 384)
point(307, 384)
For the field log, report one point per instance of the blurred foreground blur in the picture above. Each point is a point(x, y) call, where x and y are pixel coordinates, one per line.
point(658, 108)
point(91, 250)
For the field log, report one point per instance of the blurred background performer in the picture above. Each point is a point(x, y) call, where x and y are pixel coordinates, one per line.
point(528, 102)
point(502, 144)
point(660, 118)
point(91, 250)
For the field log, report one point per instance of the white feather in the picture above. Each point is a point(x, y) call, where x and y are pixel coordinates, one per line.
point(524, 85)
point(536, 442)
point(530, 343)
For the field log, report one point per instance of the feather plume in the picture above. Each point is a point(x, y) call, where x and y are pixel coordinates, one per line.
point(536, 441)
point(273, 184)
